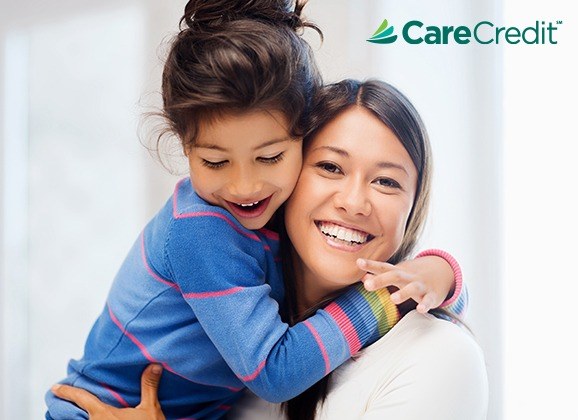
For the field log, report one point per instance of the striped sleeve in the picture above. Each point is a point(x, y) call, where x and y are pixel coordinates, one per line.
point(457, 303)
point(459, 306)
point(362, 316)
point(223, 277)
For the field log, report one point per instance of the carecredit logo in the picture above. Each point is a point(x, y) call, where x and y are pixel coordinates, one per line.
point(484, 32)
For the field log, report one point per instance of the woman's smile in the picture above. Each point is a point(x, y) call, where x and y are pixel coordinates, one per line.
point(343, 237)
point(352, 200)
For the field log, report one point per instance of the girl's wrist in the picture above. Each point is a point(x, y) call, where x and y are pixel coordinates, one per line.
point(453, 263)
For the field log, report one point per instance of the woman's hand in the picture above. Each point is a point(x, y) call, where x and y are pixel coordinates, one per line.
point(148, 409)
point(427, 280)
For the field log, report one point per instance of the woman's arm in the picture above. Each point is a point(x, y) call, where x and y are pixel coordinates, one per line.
point(148, 409)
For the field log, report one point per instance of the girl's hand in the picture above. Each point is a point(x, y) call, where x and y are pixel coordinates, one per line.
point(148, 409)
point(427, 280)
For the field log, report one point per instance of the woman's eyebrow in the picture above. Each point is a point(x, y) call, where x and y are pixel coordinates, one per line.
point(333, 149)
point(381, 164)
point(390, 165)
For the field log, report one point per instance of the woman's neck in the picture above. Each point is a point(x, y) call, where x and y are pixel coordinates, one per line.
point(309, 288)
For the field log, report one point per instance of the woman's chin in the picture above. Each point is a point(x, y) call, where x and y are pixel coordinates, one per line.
point(341, 277)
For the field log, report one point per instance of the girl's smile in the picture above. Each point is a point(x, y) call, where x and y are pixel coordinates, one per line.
point(246, 163)
point(249, 210)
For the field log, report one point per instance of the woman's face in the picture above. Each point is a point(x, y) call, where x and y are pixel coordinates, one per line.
point(352, 200)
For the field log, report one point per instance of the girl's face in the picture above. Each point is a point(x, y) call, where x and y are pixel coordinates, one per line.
point(352, 200)
point(246, 163)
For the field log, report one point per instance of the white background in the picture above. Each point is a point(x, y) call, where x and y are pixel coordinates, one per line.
point(77, 186)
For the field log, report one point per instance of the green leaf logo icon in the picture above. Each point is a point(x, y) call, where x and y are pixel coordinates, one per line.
point(383, 35)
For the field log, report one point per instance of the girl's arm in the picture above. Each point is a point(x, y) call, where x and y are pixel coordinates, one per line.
point(433, 279)
point(224, 274)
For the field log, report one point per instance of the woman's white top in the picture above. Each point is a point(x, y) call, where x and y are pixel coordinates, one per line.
point(424, 368)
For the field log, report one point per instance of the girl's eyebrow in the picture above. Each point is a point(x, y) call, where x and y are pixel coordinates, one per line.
point(223, 149)
point(381, 164)
point(271, 142)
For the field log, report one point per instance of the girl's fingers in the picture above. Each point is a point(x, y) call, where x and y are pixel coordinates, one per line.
point(150, 385)
point(413, 290)
point(397, 278)
point(374, 267)
point(80, 397)
point(427, 303)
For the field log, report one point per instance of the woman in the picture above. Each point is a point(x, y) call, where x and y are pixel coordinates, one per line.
point(366, 175)
point(367, 167)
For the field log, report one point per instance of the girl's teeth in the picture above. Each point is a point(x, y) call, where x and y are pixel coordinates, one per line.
point(249, 204)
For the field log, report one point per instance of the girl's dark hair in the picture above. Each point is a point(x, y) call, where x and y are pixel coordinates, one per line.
point(236, 56)
point(394, 110)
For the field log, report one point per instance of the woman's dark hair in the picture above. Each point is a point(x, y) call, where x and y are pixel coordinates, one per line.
point(236, 56)
point(394, 110)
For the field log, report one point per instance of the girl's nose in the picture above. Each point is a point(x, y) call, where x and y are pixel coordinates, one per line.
point(245, 184)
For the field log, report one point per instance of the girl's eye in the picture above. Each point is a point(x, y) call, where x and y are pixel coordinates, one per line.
point(214, 165)
point(329, 167)
point(272, 159)
point(388, 183)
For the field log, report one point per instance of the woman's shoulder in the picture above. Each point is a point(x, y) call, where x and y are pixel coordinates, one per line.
point(443, 339)
point(422, 365)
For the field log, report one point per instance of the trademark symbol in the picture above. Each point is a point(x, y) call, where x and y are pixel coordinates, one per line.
point(559, 22)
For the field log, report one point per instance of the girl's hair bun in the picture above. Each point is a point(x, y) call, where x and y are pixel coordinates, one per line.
point(211, 15)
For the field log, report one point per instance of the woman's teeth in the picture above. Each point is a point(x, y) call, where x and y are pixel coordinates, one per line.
point(342, 234)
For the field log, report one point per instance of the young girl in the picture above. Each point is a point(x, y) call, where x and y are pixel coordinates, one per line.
point(198, 291)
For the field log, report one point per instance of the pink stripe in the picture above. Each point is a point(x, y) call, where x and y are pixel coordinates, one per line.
point(220, 216)
point(116, 395)
point(150, 270)
point(269, 234)
point(148, 356)
point(132, 338)
point(178, 215)
point(345, 325)
point(175, 195)
point(458, 277)
point(254, 374)
point(220, 293)
point(224, 407)
point(321, 346)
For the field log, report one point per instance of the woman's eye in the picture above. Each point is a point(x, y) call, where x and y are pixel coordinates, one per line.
point(272, 159)
point(214, 165)
point(387, 182)
point(329, 167)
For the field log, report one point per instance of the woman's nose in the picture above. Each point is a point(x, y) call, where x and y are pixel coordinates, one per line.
point(353, 199)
